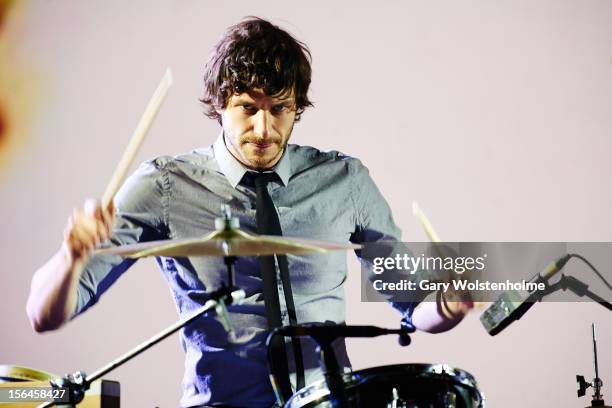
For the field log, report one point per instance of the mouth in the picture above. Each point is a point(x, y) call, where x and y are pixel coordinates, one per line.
point(261, 145)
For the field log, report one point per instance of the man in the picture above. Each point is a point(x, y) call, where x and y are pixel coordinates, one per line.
point(256, 85)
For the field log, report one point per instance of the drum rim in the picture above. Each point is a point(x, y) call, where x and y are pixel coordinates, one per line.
point(415, 368)
point(354, 378)
point(16, 373)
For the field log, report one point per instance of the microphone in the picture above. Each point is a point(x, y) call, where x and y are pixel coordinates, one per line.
point(513, 304)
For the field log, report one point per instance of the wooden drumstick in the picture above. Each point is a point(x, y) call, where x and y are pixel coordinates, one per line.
point(433, 236)
point(429, 230)
point(137, 138)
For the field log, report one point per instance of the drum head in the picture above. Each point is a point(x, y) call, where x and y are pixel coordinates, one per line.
point(399, 386)
point(12, 373)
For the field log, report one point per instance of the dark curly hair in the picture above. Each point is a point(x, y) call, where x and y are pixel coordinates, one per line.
point(256, 54)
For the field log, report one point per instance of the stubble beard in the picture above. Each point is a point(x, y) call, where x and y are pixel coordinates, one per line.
point(263, 161)
point(254, 161)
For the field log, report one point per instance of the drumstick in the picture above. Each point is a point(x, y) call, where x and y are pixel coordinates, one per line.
point(137, 137)
point(433, 236)
point(429, 230)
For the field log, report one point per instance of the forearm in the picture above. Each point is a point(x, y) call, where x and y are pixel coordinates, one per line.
point(53, 292)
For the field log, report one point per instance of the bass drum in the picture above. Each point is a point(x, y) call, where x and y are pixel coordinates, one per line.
point(398, 386)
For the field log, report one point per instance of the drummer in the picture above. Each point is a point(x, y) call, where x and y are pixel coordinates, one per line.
point(256, 86)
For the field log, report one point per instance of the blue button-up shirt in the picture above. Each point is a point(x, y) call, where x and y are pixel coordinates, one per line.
point(319, 195)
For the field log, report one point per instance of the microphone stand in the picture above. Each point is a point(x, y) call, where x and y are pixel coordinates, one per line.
point(575, 285)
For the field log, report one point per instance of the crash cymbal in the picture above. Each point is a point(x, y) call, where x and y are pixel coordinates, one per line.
point(228, 242)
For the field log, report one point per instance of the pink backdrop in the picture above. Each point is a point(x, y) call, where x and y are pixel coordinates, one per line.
point(495, 116)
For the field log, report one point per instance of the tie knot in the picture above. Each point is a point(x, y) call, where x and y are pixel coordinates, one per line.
point(262, 179)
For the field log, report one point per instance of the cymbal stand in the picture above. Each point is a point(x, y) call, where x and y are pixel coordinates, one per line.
point(79, 382)
point(597, 383)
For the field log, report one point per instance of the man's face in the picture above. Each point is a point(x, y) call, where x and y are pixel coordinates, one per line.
point(257, 127)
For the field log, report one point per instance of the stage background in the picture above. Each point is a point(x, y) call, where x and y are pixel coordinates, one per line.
point(495, 116)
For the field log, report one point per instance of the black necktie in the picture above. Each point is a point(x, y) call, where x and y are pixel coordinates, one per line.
point(269, 224)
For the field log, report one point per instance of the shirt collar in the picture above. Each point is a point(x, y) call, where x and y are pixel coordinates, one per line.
point(234, 170)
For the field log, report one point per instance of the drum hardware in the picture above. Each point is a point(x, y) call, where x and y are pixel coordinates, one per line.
point(597, 383)
point(396, 401)
point(78, 382)
point(324, 335)
point(416, 385)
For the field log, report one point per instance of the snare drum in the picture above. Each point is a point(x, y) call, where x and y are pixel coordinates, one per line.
point(398, 386)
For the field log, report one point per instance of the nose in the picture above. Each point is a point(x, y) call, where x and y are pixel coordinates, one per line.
point(261, 126)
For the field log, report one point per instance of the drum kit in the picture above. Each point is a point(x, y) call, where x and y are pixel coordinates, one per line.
point(392, 386)
point(408, 385)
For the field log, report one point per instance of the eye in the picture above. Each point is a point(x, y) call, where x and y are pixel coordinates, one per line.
point(276, 109)
point(248, 108)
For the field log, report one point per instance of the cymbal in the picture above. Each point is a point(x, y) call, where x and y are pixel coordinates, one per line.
point(228, 242)
point(11, 373)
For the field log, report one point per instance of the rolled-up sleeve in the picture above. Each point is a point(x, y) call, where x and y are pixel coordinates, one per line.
point(375, 224)
point(141, 215)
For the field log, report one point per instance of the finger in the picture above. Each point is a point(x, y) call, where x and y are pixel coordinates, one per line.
point(87, 226)
point(467, 305)
point(81, 237)
point(104, 219)
point(104, 216)
point(91, 207)
point(108, 220)
point(111, 207)
point(102, 230)
point(72, 238)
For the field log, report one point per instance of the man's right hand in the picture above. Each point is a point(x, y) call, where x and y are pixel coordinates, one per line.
point(53, 292)
point(87, 228)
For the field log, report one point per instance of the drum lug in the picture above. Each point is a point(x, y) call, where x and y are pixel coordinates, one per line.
point(396, 401)
point(449, 400)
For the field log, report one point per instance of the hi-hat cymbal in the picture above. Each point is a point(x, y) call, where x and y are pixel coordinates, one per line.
point(229, 242)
